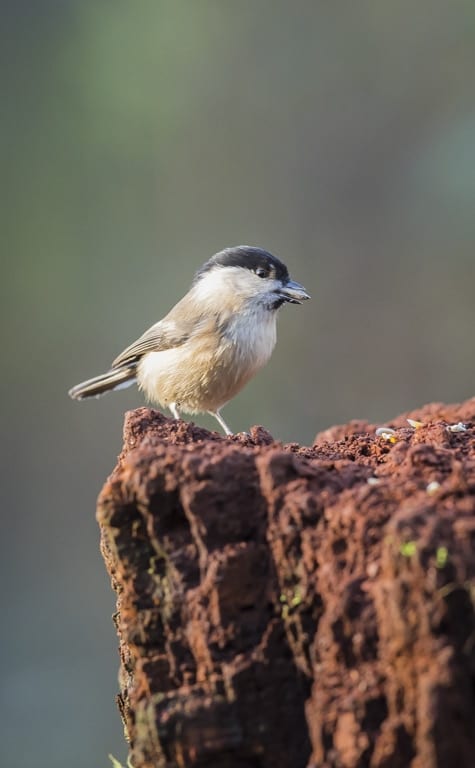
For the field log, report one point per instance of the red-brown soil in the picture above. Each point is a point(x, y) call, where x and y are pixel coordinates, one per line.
point(290, 607)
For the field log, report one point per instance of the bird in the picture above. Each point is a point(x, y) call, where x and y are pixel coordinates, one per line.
point(212, 342)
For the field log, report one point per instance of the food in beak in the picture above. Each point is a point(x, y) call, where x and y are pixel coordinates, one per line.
point(293, 292)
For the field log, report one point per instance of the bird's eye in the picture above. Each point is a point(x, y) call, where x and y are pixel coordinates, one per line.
point(261, 272)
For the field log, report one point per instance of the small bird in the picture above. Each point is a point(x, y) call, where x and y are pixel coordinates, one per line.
point(212, 342)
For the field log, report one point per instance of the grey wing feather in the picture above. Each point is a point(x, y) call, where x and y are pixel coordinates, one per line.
point(159, 337)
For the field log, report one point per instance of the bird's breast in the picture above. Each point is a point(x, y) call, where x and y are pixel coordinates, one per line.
point(210, 368)
point(252, 337)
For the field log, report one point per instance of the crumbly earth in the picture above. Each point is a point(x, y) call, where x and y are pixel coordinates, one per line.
point(282, 606)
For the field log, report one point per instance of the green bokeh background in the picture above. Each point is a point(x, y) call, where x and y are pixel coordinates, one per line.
point(137, 140)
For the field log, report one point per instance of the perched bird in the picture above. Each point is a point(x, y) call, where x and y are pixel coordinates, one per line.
point(212, 342)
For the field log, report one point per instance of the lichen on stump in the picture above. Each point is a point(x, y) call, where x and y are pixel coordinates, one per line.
point(285, 607)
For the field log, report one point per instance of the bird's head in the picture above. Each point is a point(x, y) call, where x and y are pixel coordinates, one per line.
point(248, 275)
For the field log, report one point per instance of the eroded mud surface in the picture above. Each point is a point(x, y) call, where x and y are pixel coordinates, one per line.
point(296, 606)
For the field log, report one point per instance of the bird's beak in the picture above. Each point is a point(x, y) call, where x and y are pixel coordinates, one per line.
point(293, 292)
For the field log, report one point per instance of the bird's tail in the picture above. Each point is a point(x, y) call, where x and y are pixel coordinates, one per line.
point(116, 378)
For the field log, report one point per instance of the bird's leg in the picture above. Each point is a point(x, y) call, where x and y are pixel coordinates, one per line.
point(174, 410)
point(221, 421)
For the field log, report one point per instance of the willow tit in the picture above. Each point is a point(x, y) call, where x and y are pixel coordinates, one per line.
point(212, 342)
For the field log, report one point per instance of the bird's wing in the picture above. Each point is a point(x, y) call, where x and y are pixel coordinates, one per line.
point(163, 335)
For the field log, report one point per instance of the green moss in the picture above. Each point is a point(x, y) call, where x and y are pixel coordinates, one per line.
point(441, 557)
point(408, 549)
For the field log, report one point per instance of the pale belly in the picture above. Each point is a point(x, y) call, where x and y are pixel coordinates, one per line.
point(199, 376)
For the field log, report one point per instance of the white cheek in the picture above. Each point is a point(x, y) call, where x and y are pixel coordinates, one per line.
point(228, 282)
point(210, 286)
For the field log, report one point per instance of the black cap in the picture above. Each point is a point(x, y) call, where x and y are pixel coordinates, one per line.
point(248, 257)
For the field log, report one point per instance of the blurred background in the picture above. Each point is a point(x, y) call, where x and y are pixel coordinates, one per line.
point(137, 140)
